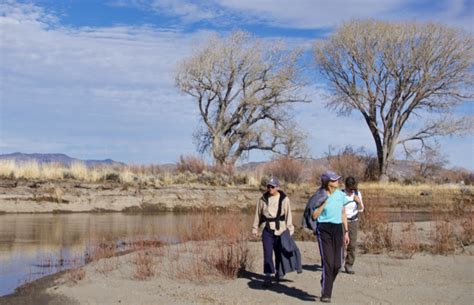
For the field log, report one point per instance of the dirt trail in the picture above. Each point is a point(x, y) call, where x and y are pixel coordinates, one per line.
point(379, 279)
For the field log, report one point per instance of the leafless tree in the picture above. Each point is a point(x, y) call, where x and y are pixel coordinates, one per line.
point(243, 88)
point(404, 78)
point(349, 161)
point(430, 162)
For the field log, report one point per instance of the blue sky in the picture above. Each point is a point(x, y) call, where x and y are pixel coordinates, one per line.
point(95, 79)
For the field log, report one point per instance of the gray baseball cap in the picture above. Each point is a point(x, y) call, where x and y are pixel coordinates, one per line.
point(329, 176)
point(273, 181)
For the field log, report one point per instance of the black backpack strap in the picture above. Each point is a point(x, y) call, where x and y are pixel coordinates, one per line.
point(280, 203)
point(278, 217)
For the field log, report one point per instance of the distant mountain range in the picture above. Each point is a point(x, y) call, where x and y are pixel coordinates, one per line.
point(55, 158)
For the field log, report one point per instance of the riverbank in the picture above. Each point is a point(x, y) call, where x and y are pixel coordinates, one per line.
point(379, 279)
point(25, 196)
point(63, 196)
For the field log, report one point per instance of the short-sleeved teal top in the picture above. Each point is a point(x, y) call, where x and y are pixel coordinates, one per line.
point(332, 212)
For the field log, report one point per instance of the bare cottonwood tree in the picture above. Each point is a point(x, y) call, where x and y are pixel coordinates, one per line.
point(243, 88)
point(429, 162)
point(398, 75)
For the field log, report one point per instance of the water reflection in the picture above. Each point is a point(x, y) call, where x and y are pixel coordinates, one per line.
point(31, 245)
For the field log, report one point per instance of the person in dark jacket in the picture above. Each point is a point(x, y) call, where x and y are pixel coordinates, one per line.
point(331, 232)
point(273, 214)
point(313, 203)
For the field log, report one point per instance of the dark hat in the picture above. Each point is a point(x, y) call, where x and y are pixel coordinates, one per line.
point(329, 176)
point(273, 181)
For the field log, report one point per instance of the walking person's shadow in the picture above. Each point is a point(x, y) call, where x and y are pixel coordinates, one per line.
point(314, 267)
point(256, 282)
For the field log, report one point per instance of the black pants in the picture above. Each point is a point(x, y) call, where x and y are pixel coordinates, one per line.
point(270, 244)
point(330, 237)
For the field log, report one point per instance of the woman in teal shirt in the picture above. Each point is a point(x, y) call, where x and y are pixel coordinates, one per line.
point(331, 232)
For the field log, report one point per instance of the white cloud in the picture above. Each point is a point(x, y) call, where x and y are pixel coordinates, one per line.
point(315, 14)
point(307, 14)
point(187, 11)
point(311, 14)
point(109, 92)
point(66, 88)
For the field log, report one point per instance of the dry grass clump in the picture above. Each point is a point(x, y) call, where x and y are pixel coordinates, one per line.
point(104, 249)
point(286, 169)
point(191, 164)
point(443, 237)
point(144, 265)
point(454, 230)
point(397, 195)
point(232, 258)
point(107, 252)
point(73, 276)
point(7, 168)
point(29, 170)
point(126, 176)
point(204, 260)
point(451, 231)
point(52, 171)
point(349, 162)
point(56, 171)
point(55, 193)
point(462, 203)
point(146, 170)
point(377, 230)
point(463, 214)
point(408, 244)
point(104, 253)
point(206, 228)
point(394, 188)
point(212, 250)
point(466, 236)
point(79, 171)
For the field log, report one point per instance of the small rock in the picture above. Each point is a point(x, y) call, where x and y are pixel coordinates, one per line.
point(426, 193)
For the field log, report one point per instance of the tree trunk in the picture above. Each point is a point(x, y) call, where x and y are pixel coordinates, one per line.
point(387, 156)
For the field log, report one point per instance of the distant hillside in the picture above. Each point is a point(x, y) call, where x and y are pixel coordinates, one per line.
point(56, 158)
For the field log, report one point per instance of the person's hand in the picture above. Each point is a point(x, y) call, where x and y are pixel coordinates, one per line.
point(357, 199)
point(255, 234)
point(346, 238)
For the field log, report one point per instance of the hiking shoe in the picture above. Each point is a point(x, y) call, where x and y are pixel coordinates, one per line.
point(267, 282)
point(278, 278)
point(325, 300)
point(349, 270)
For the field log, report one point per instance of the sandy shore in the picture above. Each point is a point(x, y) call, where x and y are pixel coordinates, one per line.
point(379, 279)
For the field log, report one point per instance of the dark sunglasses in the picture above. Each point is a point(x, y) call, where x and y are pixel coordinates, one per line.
point(270, 187)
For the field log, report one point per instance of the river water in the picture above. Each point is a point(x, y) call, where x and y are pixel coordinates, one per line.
point(34, 245)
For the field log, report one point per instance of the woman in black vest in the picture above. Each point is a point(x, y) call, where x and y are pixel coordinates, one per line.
point(273, 213)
